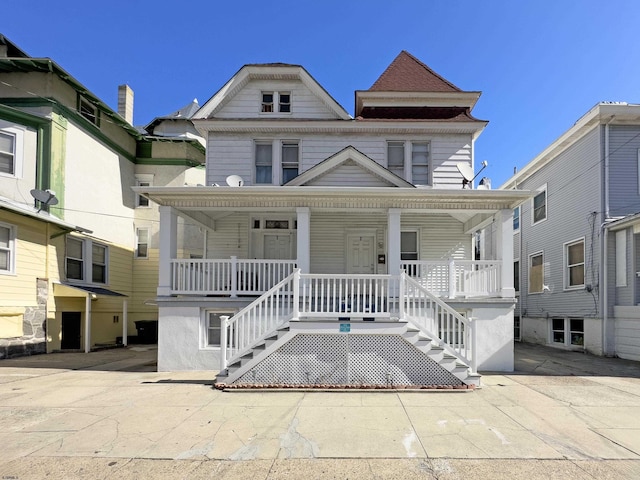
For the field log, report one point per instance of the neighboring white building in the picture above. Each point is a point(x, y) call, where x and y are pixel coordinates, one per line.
point(311, 216)
point(576, 242)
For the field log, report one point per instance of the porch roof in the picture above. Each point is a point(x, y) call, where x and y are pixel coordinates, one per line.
point(461, 204)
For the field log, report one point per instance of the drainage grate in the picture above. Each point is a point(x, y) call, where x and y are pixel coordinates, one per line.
point(354, 359)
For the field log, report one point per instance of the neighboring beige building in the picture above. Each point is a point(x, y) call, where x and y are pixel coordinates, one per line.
point(78, 250)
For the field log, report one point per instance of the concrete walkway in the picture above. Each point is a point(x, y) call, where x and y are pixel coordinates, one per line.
point(110, 415)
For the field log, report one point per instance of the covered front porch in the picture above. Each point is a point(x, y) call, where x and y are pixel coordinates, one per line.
point(248, 249)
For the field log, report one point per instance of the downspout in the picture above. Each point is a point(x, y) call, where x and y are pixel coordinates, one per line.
point(604, 249)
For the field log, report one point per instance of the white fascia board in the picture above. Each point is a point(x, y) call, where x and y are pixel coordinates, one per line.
point(338, 126)
point(365, 98)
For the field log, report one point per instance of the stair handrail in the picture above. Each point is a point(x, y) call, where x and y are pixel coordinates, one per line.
point(459, 328)
point(244, 329)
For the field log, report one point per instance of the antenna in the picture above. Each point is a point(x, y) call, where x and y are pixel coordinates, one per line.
point(235, 181)
point(467, 173)
point(45, 197)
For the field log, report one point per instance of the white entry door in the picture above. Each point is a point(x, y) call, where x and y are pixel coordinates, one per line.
point(277, 247)
point(361, 254)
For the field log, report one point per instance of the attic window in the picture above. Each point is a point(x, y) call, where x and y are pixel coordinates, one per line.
point(267, 102)
point(284, 102)
point(88, 110)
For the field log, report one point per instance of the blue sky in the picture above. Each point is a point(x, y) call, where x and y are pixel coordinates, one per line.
point(540, 64)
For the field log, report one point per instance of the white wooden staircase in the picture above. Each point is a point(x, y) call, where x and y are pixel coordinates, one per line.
point(349, 331)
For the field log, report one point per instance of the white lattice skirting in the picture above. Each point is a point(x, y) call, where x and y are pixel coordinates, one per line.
point(353, 359)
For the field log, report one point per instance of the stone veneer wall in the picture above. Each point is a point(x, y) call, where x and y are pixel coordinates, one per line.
point(34, 336)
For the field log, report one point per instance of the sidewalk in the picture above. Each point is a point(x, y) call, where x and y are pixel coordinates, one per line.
point(110, 415)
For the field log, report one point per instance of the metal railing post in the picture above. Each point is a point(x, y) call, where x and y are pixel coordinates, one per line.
point(224, 326)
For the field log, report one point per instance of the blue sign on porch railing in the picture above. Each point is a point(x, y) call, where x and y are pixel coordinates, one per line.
point(345, 327)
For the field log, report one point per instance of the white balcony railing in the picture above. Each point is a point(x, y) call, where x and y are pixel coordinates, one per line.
point(230, 276)
point(457, 278)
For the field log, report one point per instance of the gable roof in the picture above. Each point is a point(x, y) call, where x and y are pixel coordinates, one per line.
point(408, 74)
point(349, 154)
point(268, 71)
point(181, 114)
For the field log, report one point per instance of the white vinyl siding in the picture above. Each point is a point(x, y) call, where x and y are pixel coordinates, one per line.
point(7, 248)
point(229, 154)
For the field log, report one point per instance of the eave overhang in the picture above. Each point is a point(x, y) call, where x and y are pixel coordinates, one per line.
point(299, 126)
point(367, 98)
point(332, 198)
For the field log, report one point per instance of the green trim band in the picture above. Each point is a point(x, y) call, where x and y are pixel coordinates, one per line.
point(167, 161)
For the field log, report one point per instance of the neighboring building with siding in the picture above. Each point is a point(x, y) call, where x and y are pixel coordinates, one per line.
point(570, 292)
point(55, 135)
point(301, 199)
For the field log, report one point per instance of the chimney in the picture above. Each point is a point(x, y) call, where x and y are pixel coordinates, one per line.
point(125, 103)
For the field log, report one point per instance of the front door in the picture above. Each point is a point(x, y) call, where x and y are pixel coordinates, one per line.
point(277, 247)
point(361, 254)
point(71, 324)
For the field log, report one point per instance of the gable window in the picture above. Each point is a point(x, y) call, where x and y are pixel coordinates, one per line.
point(271, 99)
point(395, 158)
point(290, 161)
point(420, 163)
point(574, 264)
point(284, 102)
point(86, 259)
point(267, 102)
point(536, 273)
point(7, 248)
point(143, 181)
point(7, 153)
point(540, 206)
point(88, 110)
point(142, 243)
point(264, 162)
point(516, 219)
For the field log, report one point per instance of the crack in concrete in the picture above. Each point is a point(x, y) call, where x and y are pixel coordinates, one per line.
point(293, 441)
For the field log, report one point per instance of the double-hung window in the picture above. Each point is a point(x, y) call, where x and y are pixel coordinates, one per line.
point(98, 263)
point(420, 163)
point(395, 158)
point(86, 260)
point(7, 153)
point(290, 160)
point(516, 219)
point(143, 180)
point(536, 273)
point(212, 327)
point(264, 162)
point(574, 264)
point(142, 243)
point(272, 99)
point(540, 206)
point(7, 248)
point(516, 275)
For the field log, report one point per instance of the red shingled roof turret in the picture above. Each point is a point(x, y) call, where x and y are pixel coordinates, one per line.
point(408, 74)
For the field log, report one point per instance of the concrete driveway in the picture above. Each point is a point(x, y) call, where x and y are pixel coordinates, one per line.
point(110, 415)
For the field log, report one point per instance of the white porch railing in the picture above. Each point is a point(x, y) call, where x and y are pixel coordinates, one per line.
point(232, 276)
point(452, 278)
point(395, 297)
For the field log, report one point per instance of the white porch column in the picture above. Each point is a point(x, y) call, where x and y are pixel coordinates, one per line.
point(504, 250)
point(304, 239)
point(87, 323)
point(125, 321)
point(168, 248)
point(393, 241)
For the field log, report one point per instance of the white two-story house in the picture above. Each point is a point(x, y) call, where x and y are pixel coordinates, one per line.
point(338, 249)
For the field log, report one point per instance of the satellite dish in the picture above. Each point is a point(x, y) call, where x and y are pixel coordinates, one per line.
point(235, 181)
point(45, 197)
point(467, 173)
